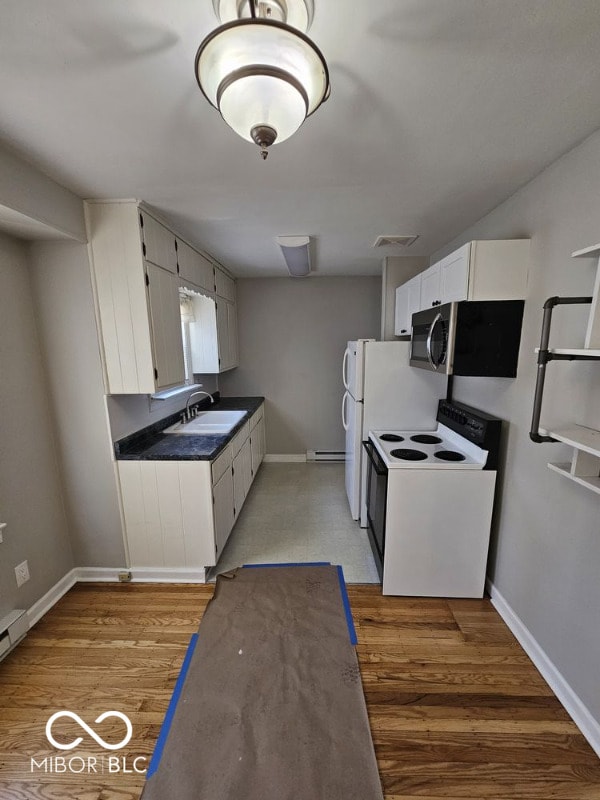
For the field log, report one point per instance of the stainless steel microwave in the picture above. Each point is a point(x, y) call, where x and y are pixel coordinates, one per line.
point(477, 338)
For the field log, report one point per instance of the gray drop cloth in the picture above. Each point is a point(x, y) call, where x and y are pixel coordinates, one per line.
point(272, 707)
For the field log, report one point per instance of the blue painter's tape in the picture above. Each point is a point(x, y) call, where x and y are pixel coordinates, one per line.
point(295, 564)
point(166, 726)
point(347, 611)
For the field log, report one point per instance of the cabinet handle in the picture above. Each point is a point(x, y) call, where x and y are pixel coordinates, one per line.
point(403, 330)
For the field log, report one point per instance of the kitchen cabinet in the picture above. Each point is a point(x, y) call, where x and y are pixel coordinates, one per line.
point(136, 300)
point(227, 336)
point(242, 477)
point(408, 300)
point(138, 267)
point(165, 326)
point(224, 510)
point(194, 267)
point(430, 287)
point(179, 514)
point(158, 243)
point(480, 270)
point(257, 441)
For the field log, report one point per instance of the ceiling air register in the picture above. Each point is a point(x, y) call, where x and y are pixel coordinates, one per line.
point(260, 70)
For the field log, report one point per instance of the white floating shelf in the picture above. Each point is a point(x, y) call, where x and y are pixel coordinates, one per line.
point(573, 351)
point(580, 437)
point(587, 252)
point(588, 481)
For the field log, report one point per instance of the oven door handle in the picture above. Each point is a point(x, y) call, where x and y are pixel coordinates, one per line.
point(436, 319)
point(373, 454)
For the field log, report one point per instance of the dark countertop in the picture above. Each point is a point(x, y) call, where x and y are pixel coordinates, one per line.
point(151, 444)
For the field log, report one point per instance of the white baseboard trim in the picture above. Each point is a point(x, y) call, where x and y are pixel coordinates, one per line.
point(281, 458)
point(110, 575)
point(52, 596)
point(167, 575)
point(587, 724)
point(98, 574)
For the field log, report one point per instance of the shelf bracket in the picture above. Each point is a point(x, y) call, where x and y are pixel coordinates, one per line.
point(544, 357)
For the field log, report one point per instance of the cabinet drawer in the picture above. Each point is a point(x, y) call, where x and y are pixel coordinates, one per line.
point(221, 464)
point(238, 440)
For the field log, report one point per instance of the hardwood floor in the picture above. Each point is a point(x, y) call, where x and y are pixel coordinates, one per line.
point(457, 709)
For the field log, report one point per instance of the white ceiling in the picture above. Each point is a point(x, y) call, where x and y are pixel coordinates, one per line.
point(440, 109)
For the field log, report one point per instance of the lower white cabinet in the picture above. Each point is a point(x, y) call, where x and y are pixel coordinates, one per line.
point(179, 514)
point(224, 510)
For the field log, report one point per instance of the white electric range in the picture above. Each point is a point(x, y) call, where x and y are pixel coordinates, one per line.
point(430, 497)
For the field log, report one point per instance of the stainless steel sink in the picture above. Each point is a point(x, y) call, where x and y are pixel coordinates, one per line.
point(208, 422)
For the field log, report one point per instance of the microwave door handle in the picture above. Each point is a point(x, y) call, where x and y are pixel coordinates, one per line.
point(436, 319)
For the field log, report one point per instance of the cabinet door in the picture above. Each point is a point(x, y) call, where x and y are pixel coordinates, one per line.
point(225, 286)
point(223, 334)
point(232, 334)
point(223, 509)
point(455, 275)
point(242, 477)
point(430, 287)
point(414, 298)
point(158, 243)
point(194, 267)
point(257, 446)
point(401, 319)
point(165, 325)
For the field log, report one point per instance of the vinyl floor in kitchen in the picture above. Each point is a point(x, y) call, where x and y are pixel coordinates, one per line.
point(299, 512)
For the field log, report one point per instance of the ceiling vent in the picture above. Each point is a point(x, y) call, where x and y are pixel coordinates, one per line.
point(396, 241)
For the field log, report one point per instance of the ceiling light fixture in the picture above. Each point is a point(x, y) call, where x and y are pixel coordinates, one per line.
point(296, 252)
point(260, 70)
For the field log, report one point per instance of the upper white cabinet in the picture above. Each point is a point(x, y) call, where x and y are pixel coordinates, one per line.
point(194, 267)
point(139, 267)
point(224, 285)
point(137, 302)
point(408, 300)
point(158, 243)
point(430, 287)
point(481, 270)
point(454, 276)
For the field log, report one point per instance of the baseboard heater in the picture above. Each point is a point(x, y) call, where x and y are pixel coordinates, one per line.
point(325, 455)
point(13, 628)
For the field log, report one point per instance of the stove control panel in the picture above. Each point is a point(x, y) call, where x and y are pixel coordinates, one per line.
point(478, 427)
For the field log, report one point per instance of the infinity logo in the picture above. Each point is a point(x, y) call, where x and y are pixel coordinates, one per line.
point(88, 730)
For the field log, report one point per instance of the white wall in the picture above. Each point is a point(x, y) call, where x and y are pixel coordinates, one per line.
point(546, 551)
point(65, 314)
point(292, 336)
point(129, 413)
point(31, 494)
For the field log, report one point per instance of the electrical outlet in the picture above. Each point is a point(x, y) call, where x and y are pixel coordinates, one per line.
point(22, 573)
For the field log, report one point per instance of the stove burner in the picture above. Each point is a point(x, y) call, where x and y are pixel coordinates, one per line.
point(426, 438)
point(409, 455)
point(391, 437)
point(449, 455)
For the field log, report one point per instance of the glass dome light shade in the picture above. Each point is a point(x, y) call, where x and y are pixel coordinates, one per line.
point(245, 48)
point(262, 100)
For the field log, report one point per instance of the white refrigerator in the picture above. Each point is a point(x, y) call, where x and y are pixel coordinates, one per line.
point(382, 391)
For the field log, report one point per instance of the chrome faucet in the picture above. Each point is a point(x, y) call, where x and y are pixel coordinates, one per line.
point(188, 413)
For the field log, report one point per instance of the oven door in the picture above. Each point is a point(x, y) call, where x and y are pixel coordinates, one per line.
point(432, 339)
point(377, 479)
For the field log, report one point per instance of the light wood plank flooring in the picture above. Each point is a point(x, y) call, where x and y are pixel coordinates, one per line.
point(457, 709)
